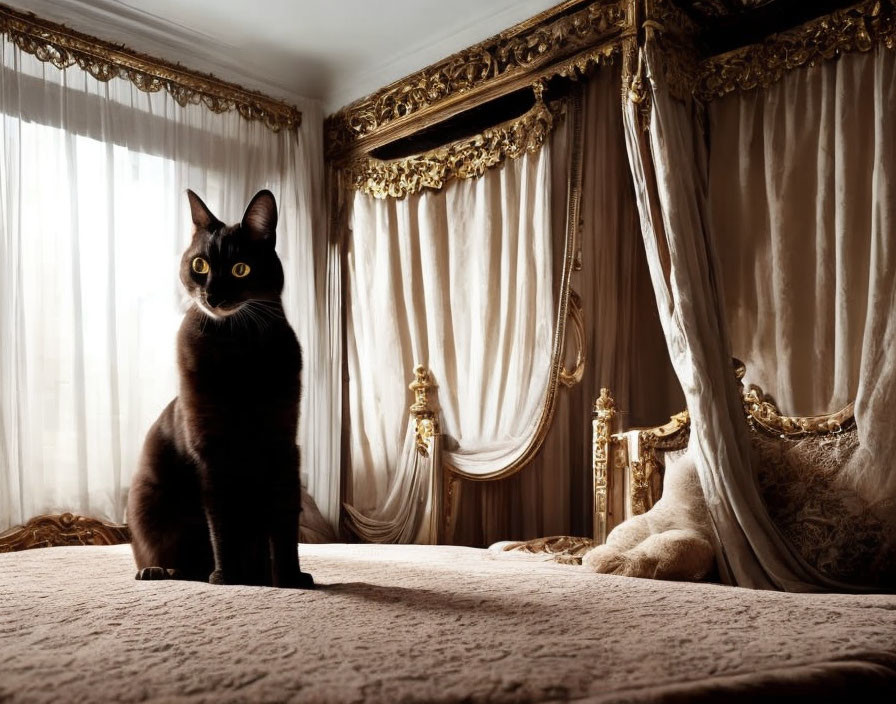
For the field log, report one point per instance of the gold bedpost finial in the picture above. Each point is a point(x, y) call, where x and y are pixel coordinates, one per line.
point(425, 421)
point(605, 403)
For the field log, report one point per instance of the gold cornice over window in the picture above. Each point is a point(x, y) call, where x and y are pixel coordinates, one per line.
point(559, 42)
point(466, 158)
point(64, 47)
point(856, 28)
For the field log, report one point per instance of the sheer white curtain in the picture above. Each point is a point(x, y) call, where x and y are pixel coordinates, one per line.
point(809, 262)
point(93, 218)
point(461, 281)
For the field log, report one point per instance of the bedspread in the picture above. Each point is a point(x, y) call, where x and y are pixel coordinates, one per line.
point(418, 623)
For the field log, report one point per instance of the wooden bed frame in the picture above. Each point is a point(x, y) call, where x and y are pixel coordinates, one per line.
point(628, 466)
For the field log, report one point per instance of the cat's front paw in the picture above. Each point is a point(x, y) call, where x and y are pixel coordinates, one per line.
point(148, 573)
point(302, 580)
point(306, 581)
point(217, 577)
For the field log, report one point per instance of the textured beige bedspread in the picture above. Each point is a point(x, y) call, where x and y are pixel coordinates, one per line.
point(412, 623)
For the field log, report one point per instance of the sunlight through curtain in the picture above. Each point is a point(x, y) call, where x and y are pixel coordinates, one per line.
point(94, 220)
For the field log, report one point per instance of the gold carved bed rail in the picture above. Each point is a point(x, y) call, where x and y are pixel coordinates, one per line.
point(55, 530)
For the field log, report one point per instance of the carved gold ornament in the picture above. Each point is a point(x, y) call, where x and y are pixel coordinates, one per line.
point(463, 159)
point(674, 435)
point(62, 529)
point(63, 47)
point(602, 419)
point(426, 424)
point(762, 412)
point(563, 40)
point(857, 28)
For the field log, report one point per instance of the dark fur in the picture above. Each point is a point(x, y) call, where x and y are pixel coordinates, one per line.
point(216, 497)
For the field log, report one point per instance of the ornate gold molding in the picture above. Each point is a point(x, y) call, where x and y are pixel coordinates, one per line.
point(762, 412)
point(463, 159)
point(857, 28)
point(563, 40)
point(62, 529)
point(64, 47)
point(426, 424)
point(674, 435)
point(603, 416)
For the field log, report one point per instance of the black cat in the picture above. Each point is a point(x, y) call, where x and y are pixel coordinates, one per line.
point(217, 496)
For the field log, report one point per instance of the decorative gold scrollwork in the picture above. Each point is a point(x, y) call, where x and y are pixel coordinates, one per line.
point(63, 47)
point(762, 411)
point(856, 28)
point(561, 41)
point(62, 529)
point(426, 422)
point(576, 315)
point(673, 435)
point(467, 158)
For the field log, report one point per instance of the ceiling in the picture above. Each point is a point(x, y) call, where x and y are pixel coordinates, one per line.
point(333, 51)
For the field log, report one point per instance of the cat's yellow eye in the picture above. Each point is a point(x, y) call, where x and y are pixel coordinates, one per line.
point(200, 266)
point(240, 270)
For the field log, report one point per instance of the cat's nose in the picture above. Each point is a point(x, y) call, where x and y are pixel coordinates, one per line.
point(213, 300)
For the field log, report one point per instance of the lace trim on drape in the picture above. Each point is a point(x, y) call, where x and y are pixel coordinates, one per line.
point(833, 529)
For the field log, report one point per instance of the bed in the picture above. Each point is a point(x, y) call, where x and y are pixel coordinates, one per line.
point(442, 623)
point(424, 623)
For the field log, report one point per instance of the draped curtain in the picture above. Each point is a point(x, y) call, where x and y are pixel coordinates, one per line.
point(443, 277)
point(93, 219)
point(803, 193)
point(459, 280)
point(670, 169)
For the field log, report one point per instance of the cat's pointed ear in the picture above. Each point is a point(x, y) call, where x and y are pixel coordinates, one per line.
point(260, 220)
point(202, 216)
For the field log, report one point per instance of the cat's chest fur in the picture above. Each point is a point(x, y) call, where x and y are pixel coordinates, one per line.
point(234, 379)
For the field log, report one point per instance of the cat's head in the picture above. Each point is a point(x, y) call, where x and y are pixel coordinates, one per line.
point(227, 267)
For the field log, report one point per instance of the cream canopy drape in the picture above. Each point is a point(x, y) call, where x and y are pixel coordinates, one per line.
point(803, 193)
point(670, 168)
point(411, 288)
point(460, 280)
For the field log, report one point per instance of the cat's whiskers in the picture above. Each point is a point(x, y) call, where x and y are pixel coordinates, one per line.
point(256, 315)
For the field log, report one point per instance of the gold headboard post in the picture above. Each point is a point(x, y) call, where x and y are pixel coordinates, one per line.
point(426, 423)
point(426, 434)
point(602, 418)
